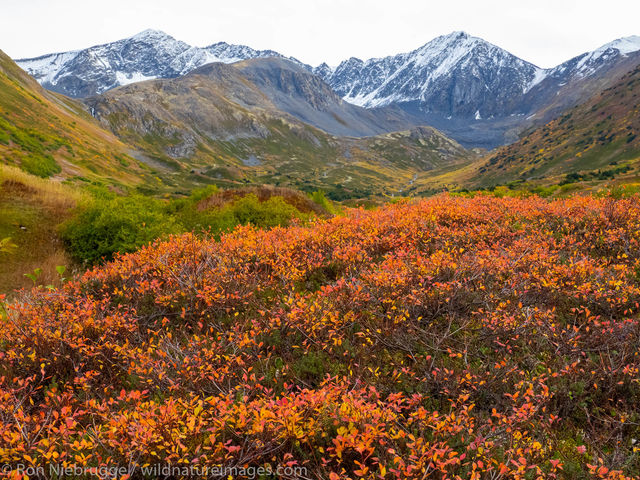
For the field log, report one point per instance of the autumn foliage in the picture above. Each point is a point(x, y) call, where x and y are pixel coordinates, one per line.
point(450, 338)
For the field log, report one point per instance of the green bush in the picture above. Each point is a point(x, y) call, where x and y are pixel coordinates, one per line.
point(272, 213)
point(248, 210)
point(116, 224)
point(111, 224)
point(40, 165)
point(321, 199)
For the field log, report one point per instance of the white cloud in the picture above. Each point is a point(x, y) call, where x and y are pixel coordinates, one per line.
point(545, 32)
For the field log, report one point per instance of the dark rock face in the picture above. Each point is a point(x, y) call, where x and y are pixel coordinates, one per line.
point(454, 75)
point(296, 91)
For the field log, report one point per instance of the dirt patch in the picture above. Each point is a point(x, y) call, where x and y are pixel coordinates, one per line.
point(18, 188)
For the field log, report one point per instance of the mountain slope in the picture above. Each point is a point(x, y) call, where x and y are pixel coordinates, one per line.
point(578, 79)
point(248, 122)
point(147, 55)
point(47, 134)
point(601, 134)
point(50, 136)
point(294, 90)
point(476, 92)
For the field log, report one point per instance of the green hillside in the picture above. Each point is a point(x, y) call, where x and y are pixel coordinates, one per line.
point(597, 140)
point(49, 135)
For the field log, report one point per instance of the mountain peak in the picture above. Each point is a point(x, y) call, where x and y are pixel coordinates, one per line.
point(446, 49)
point(453, 79)
point(87, 72)
point(589, 63)
point(151, 34)
point(457, 40)
point(219, 45)
point(625, 45)
point(458, 34)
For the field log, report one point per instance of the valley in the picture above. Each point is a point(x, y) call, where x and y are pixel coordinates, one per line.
point(159, 118)
point(163, 119)
point(270, 121)
point(222, 259)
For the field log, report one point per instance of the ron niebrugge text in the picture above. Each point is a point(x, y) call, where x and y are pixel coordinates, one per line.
point(156, 471)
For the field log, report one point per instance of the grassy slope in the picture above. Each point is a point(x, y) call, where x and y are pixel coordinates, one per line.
point(31, 209)
point(597, 135)
point(50, 135)
point(594, 145)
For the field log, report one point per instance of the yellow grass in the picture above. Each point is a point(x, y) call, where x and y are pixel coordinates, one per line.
point(49, 192)
point(31, 212)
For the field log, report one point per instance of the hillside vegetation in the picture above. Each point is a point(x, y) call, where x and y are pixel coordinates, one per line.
point(110, 224)
point(597, 140)
point(268, 121)
point(592, 147)
point(31, 212)
point(447, 338)
point(49, 135)
point(49, 225)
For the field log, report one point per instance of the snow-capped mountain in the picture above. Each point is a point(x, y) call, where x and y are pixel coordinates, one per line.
point(590, 63)
point(147, 55)
point(555, 89)
point(474, 91)
point(457, 74)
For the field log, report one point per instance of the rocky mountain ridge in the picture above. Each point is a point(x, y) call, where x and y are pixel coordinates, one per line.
point(474, 91)
point(148, 55)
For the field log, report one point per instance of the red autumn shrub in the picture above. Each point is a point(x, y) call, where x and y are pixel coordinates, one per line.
point(446, 338)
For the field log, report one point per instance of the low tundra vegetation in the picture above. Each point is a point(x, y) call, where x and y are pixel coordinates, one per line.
point(110, 223)
point(448, 338)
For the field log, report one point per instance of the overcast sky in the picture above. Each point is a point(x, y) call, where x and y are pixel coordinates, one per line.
point(545, 32)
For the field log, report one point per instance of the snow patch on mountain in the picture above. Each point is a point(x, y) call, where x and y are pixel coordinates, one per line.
point(45, 68)
point(126, 78)
point(625, 45)
point(539, 76)
point(589, 63)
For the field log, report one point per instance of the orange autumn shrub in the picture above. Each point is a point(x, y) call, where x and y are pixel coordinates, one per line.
point(448, 338)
